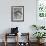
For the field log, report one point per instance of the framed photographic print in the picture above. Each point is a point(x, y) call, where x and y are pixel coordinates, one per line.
point(17, 13)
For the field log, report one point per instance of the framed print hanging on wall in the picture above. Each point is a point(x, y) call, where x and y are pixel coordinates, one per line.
point(17, 13)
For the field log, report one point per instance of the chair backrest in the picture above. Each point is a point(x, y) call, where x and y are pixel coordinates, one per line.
point(24, 37)
point(14, 30)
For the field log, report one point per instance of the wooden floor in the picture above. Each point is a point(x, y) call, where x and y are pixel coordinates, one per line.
point(13, 44)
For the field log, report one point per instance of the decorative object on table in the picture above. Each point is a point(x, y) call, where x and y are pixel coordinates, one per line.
point(17, 13)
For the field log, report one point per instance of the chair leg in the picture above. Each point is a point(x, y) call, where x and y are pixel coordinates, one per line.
point(5, 40)
point(5, 44)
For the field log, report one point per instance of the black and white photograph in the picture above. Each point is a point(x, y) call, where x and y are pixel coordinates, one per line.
point(17, 13)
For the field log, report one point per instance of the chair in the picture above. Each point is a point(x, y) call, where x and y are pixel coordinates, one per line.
point(26, 41)
point(14, 32)
point(7, 35)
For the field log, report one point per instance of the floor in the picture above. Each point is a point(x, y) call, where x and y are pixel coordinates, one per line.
point(13, 44)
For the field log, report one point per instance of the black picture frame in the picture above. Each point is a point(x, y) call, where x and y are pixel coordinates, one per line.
point(17, 13)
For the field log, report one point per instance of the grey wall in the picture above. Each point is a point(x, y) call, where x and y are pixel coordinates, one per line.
point(29, 15)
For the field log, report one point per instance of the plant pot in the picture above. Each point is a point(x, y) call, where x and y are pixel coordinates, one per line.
point(40, 41)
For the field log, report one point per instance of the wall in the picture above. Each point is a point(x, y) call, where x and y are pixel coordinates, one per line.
point(29, 15)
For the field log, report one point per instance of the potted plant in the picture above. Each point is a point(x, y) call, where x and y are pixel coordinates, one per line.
point(39, 35)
